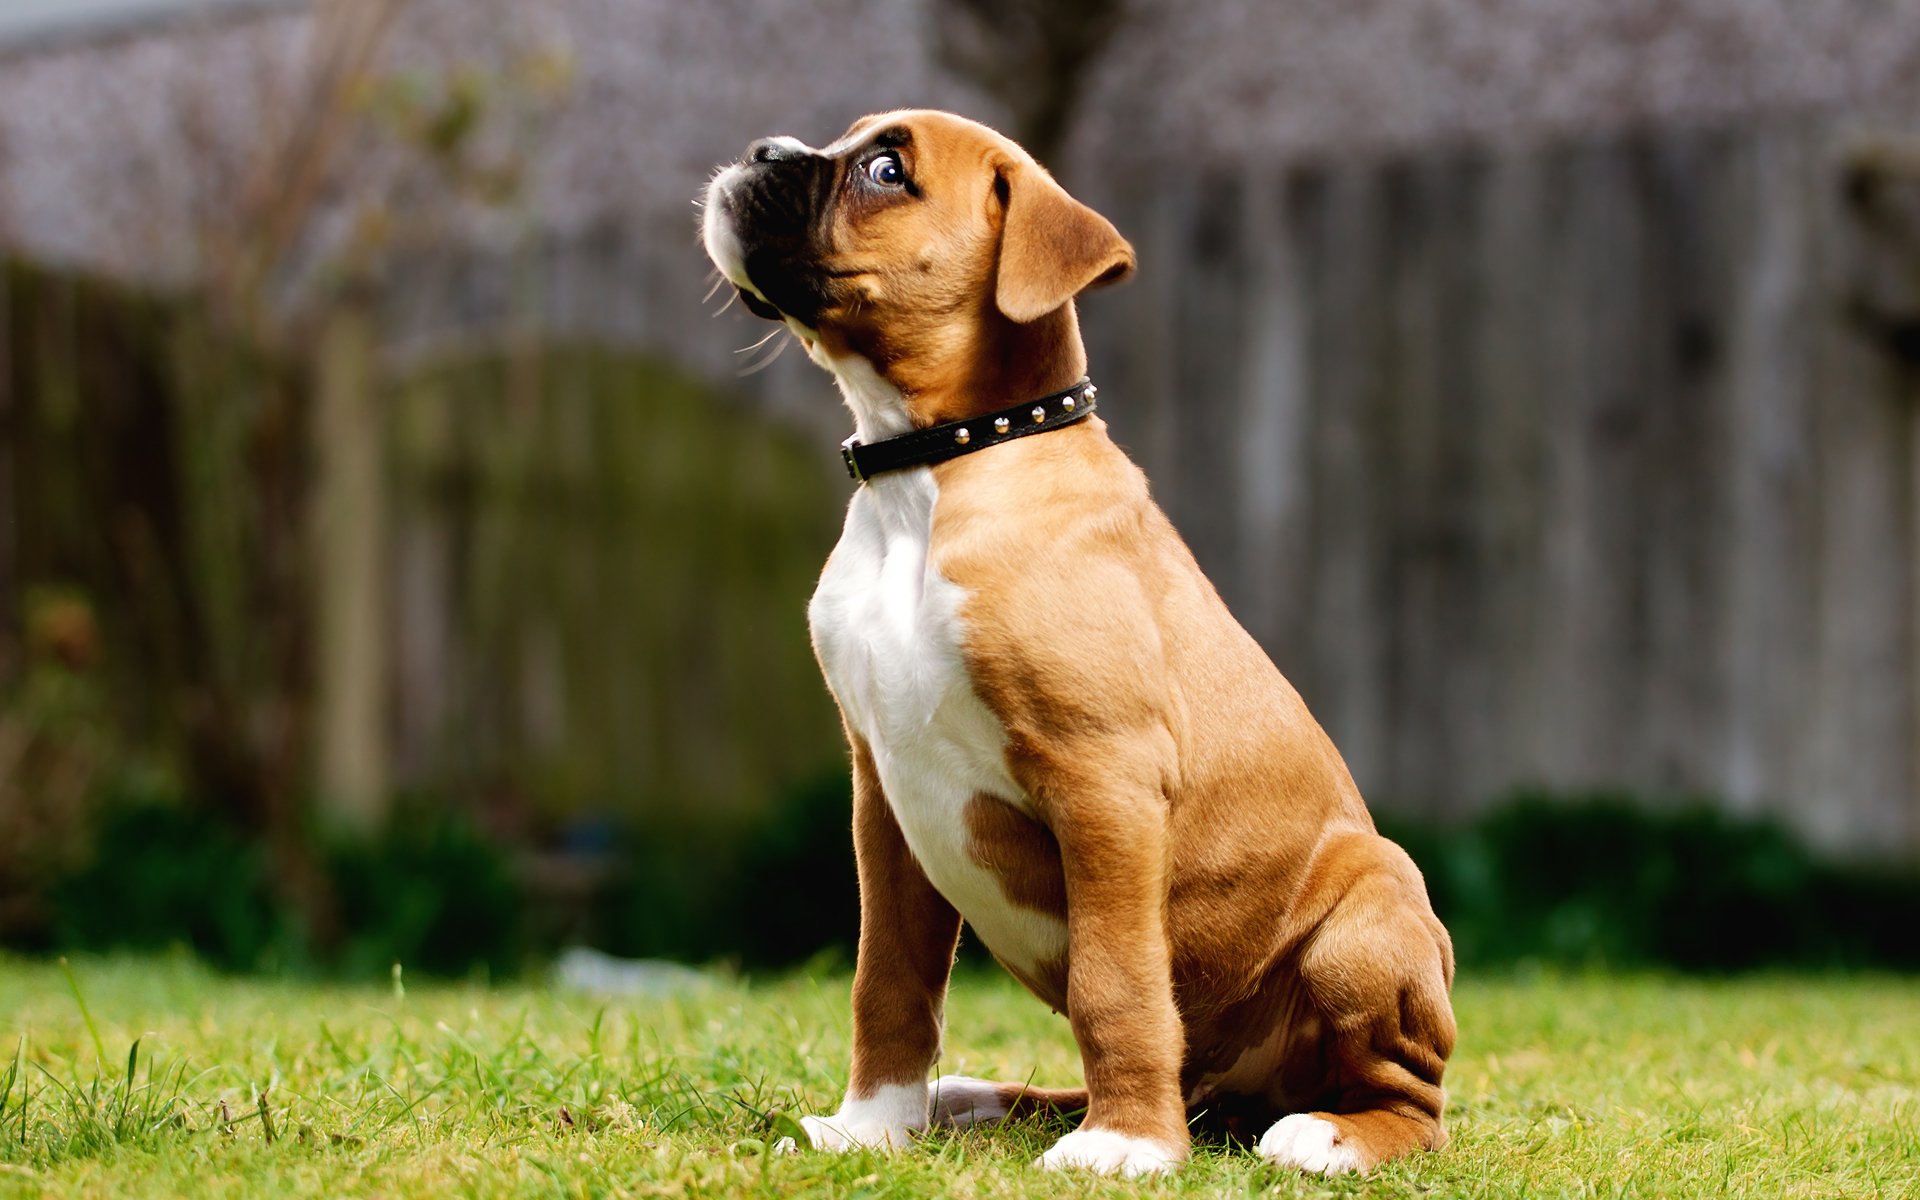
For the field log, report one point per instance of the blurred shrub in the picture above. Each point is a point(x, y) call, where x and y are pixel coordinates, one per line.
point(440, 898)
point(433, 895)
point(162, 875)
point(773, 893)
point(1602, 880)
point(797, 892)
point(54, 746)
point(668, 894)
point(1583, 881)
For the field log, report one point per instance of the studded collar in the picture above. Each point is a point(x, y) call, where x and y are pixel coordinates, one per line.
point(938, 443)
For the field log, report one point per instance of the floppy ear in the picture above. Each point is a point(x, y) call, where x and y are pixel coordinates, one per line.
point(1052, 247)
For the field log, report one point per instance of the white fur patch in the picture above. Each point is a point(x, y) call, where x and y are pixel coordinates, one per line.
point(886, 1120)
point(717, 232)
point(888, 631)
point(961, 1101)
point(1109, 1153)
point(1310, 1143)
point(879, 410)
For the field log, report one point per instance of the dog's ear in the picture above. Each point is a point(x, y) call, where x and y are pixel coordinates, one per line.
point(1052, 247)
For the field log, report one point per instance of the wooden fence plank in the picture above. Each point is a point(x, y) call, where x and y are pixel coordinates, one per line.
point(1765, 639)
point(1348, 626)
point(1863, 717)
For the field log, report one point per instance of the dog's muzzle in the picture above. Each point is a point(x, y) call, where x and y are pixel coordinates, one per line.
point(762, 227)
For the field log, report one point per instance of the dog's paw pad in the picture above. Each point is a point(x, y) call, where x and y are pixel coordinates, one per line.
point(1310, 1143)
point(961, 1100)
point(1109, 1153)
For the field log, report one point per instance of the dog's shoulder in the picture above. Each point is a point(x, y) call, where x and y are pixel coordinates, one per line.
point(1065, 562)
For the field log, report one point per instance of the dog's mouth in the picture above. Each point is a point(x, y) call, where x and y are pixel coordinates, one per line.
point(757, 306)
point(778, 282)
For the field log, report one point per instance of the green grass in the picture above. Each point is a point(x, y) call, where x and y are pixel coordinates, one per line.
point(155, 1078)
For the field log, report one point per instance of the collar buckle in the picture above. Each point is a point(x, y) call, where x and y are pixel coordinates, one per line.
point(853, 464)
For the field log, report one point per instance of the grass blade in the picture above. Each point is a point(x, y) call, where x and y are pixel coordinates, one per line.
point(266, 1117)
point(26, 1092)
point(13, 1074)
point(73, 985)
point(126, 1091)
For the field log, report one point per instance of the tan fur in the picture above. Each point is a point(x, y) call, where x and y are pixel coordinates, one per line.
point(1052, 247)
point(1024, 857)
point(1020, 851)
point(917, 294)
point(1238, 933)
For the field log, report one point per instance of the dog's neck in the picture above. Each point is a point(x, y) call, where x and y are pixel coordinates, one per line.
point(893, 390)
point(880, 409)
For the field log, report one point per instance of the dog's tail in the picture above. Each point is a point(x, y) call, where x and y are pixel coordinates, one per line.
point(960, 1101)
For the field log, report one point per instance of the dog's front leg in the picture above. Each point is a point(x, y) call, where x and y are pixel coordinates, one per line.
point(1119, 983)
point(907, 936)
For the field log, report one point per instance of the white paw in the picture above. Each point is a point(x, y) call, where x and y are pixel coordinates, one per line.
point(1310, 1143)
point(886, 1120)
point(838, 1133)
point(1109, 1153)
point(961, 1100)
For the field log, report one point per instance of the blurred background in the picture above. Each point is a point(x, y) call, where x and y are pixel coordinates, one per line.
point(399, 560)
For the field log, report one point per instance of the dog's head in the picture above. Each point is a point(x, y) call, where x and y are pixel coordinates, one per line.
point(925, 245)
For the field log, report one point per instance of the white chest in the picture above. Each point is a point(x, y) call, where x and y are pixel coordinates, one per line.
point(890, 637)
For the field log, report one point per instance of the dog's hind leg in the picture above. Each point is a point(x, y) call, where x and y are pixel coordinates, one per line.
point(1377, 969)
point(960, 1101)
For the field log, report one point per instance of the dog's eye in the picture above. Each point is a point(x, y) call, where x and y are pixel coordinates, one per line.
point(885, 170)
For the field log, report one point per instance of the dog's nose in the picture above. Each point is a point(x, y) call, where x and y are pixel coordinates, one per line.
point(775, 149)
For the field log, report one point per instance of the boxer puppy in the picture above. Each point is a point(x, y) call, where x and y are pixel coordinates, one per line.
point(1059, 734)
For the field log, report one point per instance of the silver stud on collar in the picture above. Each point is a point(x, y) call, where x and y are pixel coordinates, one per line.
point(1039, 414)
point(961, 437)
point(999, 424)
point(1092, 391)
point(1067, 403)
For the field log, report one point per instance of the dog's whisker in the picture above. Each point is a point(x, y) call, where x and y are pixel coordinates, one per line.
point(763, 341)
point(779, 348)
point(719, 281)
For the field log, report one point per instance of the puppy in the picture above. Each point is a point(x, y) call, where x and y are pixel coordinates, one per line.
point(1059, 734)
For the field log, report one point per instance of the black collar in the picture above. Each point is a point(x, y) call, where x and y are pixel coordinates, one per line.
point(938, 443)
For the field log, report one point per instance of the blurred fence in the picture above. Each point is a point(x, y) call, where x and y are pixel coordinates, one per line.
point(600, 581)
point(1585, 462)
point(568, 587)
point(1591, 463)
point(1582, 457)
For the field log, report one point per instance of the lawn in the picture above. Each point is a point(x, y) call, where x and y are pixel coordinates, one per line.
point(1577, 1086)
